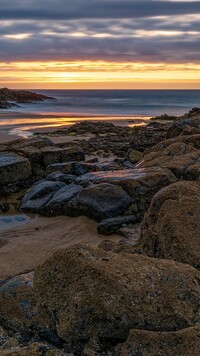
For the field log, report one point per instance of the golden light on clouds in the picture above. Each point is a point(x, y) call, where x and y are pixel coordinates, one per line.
point(99, 74)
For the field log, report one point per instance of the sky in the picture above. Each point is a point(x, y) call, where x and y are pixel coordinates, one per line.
point(97, 44)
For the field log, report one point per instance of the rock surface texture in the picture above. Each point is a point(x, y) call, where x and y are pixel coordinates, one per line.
point(171, 226)
point(137, 297)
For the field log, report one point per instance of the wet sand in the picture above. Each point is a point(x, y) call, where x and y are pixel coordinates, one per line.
point(24, 247)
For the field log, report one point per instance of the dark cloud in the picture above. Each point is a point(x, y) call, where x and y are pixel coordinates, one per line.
point(125, 30)
point(90, 9)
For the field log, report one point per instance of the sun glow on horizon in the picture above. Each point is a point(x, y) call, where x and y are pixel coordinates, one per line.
point(99, 75)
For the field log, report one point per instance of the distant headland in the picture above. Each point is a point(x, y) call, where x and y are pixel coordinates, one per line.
point(11, 98)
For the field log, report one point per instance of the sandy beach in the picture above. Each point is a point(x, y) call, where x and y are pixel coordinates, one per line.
point(26, 246)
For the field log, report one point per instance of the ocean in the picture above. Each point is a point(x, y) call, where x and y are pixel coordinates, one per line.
point(126, 107)
point(119, 102)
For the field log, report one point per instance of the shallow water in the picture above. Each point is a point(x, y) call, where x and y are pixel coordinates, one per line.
point(11, 221)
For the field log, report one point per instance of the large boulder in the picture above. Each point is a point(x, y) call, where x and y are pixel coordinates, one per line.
point(39, 195)
point(13, 168)
point(175, 156)
point(171, 226)
point(92, 293)
point(55, 155)
point(177, 343)
point(100, 201)
point(57, 205)
point(140, 184)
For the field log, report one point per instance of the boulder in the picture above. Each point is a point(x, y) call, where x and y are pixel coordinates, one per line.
point(55, 155)
point(101, 201)
point(57, 205)
point(188, 124)
point(149, 343)
point(91, 293)
point(61, 177)
point(74, 168)
point(39, 195)
point(134, 156)
point(112, 225)
point(171, 226)
point(140, 184)
point(176, 157)
point(13, 168)
point(18, 312)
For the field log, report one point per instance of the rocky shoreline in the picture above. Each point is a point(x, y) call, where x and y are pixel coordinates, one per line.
point(136, 297)
point(12, 98)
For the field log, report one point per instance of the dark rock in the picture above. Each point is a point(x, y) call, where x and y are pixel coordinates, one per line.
point(39, 195)
point(19, 96)
point(112, 225)
point(149, 343)
point(97, 294)
point(102, 201)
point(188, 124)
point(61, 177)
point(58, 203)
point(171, 226)
point(4, 207)
point(74, 168)
point(141, 184)
point(13, 168)
point(55, 155)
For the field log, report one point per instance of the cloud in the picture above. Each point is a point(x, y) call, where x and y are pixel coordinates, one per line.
point(111, 30)
point(98, 9)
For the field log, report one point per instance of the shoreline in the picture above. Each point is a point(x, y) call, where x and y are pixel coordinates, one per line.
point(14, 125)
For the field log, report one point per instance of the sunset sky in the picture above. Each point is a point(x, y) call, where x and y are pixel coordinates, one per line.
point(100, 44)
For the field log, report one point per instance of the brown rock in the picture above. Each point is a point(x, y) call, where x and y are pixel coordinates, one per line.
point(93, 293)
point(147, 343)
point(171, 226)
point(134, 156)
point(176, 157)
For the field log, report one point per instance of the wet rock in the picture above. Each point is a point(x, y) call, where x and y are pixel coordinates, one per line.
point(39, 195)
point(171, 226)
point(148, 343)
point(61, 177)
point(4, 207)
point(112, 225)
point(54, 155)
point(13, 168)
point(102, 201)
point(97, 294)
point(74, 168)
point(140, 184)
point(58, 203)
